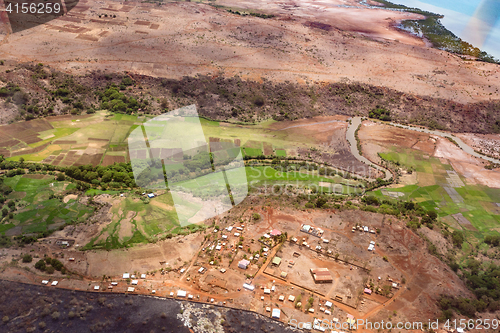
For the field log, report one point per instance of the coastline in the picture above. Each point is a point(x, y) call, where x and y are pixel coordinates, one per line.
point(434, 33)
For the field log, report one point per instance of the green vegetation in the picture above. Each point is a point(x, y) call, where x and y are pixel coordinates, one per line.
point(475, 202)
point(260, 15)
point(50, 265)
point(112, 99)
point(380, 113)
point(466, 215)
point(280, 152)
point(41, 208)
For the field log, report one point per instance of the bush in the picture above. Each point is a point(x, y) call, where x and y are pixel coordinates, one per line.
point(55, 315)
point(57, 264)
point(40, 264)
point(256, 216)
point(458, 238)
point(320, 202)
point(27, 258)
point(380, 113)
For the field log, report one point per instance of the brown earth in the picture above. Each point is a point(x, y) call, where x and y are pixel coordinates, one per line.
point(343, 54)
point(377, 137)
point(346, 44)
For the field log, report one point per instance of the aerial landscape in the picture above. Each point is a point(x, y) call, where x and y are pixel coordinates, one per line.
point(253, 166)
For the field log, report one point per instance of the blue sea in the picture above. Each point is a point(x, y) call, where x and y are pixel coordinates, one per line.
point(475, 21)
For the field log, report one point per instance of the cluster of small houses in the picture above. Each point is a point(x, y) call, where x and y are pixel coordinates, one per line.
point(363, 229)
point(317, 232)
point(394, 285)
point(134, 282)
point(220, 245)
point(276, 313)
point(319, 275)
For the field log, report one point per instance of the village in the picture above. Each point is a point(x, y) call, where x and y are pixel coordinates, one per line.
point(322, 270)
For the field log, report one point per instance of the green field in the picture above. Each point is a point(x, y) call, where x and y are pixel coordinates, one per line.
point(37, 209)
point(135, 221)
point(280, 152)
point(252, 151)
point(477, 203)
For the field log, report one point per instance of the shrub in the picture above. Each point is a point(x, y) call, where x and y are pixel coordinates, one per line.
point(55, 315)
point(256, 216)
point(27, 258)
point(458, 238)
point(40, 264)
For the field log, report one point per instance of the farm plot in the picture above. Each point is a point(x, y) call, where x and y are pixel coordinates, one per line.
point(136, 221)
point(38, 210)
point(78, 140)
point(266, 175)
point(440, 189)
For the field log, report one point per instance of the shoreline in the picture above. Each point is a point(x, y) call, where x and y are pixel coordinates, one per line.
point(444, 39)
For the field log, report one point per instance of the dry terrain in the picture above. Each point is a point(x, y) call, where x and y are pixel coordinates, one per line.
point(377, 137)
point(420, 278)
point(336, 41)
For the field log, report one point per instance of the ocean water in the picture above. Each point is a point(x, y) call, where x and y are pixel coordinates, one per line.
point(475, 21)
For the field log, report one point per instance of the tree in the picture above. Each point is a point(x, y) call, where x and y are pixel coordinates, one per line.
point(371, 200)
point(60, 177)
point(432, 214)
point(40, 265)
point(457, 238)
point(27, 258)
point(320, 202)
point(5, 212)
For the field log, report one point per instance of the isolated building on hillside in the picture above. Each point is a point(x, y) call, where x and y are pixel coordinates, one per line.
point(321, 275)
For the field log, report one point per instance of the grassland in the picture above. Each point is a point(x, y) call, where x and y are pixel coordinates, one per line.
point(39, 206)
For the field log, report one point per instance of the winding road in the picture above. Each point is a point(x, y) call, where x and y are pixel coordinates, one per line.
point(466, 148)
point(355, 122)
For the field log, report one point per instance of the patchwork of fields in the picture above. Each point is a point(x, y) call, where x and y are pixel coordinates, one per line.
point(101, 138)
point(473, 208)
